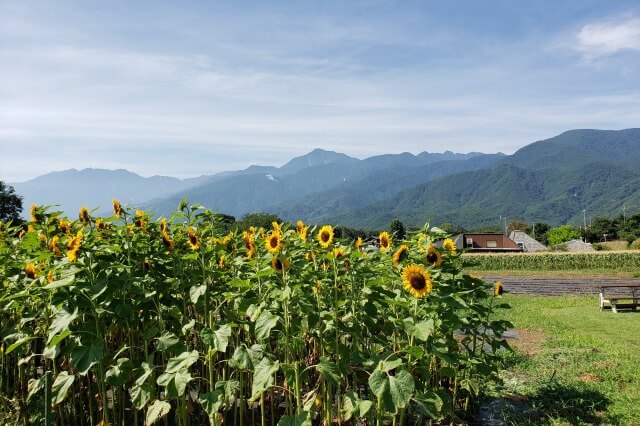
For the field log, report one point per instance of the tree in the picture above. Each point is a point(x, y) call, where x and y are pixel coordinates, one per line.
point(562, 234)
point(258, 220)
point(451, 228)
point(10, 204)
point(516, 225)
point(539, 231)
point(397, 229)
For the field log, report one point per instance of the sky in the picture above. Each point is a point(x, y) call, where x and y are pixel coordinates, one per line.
point(191, 88)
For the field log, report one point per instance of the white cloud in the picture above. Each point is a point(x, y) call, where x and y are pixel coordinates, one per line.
point(608, 37)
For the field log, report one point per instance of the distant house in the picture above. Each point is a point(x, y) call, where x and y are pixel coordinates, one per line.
point(528, 243)
point(485, 242)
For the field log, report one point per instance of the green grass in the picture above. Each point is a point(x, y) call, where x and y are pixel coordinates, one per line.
point(576, 366)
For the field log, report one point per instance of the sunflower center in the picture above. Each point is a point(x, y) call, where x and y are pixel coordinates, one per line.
point(417, 281)
point(273, 242)
point(325, 236)
point(278, 264)
point(432, 258)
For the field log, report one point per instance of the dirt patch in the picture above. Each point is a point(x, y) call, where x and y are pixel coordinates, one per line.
point(529, 342)
point(588, 377)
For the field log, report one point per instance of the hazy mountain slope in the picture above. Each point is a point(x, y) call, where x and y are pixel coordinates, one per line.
point(95, 188)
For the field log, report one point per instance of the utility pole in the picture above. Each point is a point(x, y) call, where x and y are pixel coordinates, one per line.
point(584, 218)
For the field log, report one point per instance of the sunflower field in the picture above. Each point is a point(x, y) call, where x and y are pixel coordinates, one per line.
point(127, 320)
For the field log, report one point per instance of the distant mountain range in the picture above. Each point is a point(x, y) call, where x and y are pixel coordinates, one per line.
point(552, 180)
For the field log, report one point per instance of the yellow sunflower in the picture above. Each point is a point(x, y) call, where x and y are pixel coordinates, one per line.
point(400, 255)
point(273, 243)
point(64, 226)
point(53, 246)
point(276, 227)
point(433, 258)
point(34, 213)
point(139, 221)
point(358, 243)
point(43, 238)
point(302, 230)
point(280, 265)
point(51, 277)
point(163, 225)
point(31, 271)
point(385, 241)
point(102, 225)
point(417, 280)
point(166, 239)
point(325, 236)
point(338, 252)
point(450, 245)
point(73, 247)
point(221, 262)
point(30, 228)
point(194, 241)
point(251, 251)
point(117, 208)
point(498, 289)
point(83, 216)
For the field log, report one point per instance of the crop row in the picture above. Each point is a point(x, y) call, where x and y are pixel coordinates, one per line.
point(555, 261)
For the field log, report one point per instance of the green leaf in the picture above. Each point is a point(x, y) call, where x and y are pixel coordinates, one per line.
point(298, 420)
point(328, 370)
point(15, 345)
point(117, 375)
point(188, 326)
point(401, 387)
point(182, 361)
point(242, 358)
point(140, 395)
point(353, 406)
point(378, 383)
point(218, 339)
point(167, 341)
point(158, 410)
point(36, 386)
point(211, 403)
point(60, 283)
point(265, 322)
point(84, 357)
point(61, 387)
point(175, 384)
point(263, 377)
point(424, 329)
point(196, 292)
point(61, 321)
point(390, 365)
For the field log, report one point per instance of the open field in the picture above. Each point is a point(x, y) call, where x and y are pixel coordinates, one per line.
point(572, 364)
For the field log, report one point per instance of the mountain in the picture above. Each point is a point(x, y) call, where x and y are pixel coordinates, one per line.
point(318, 179)
point(95, 188)
point(552, 180)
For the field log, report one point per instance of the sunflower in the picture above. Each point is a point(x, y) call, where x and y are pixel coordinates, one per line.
point(83, 215)
point(273, 243)
point(166, 239)
point(31, 271)
point(34, 213)
point(139, 220)
point(280, 265)
point(498, 289)
point(385, 241)
point(433, 258)
point(338, 252)
point(251, 251)
point(221, 262)
point(117, 208)
point(30, 228)
point(226, 239)
point(43, 238)
point(302, 230)
point(248, 239)
point(194, 241)
point(450, 245)
point(358, 243)
point(102, 225)
point(325, 236)
point(417, 280)
point(400, 255)
point(309, 256)
point(163, 225)
point(51, 277)
point(53, 246)
point(73, 247)
point(64, 226)
point(317, 288)
point(276, 227)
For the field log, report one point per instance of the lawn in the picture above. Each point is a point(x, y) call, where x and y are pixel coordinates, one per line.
point(572, 364)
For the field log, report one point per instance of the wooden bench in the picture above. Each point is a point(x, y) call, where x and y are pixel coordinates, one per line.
point(608, 300)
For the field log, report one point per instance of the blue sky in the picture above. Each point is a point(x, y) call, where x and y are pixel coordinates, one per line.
point(191, 88)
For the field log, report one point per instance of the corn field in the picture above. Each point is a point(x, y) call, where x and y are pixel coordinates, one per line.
point(555, 261)
point(127, 320)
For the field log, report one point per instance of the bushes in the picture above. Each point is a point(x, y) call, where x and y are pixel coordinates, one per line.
point(172, 319)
